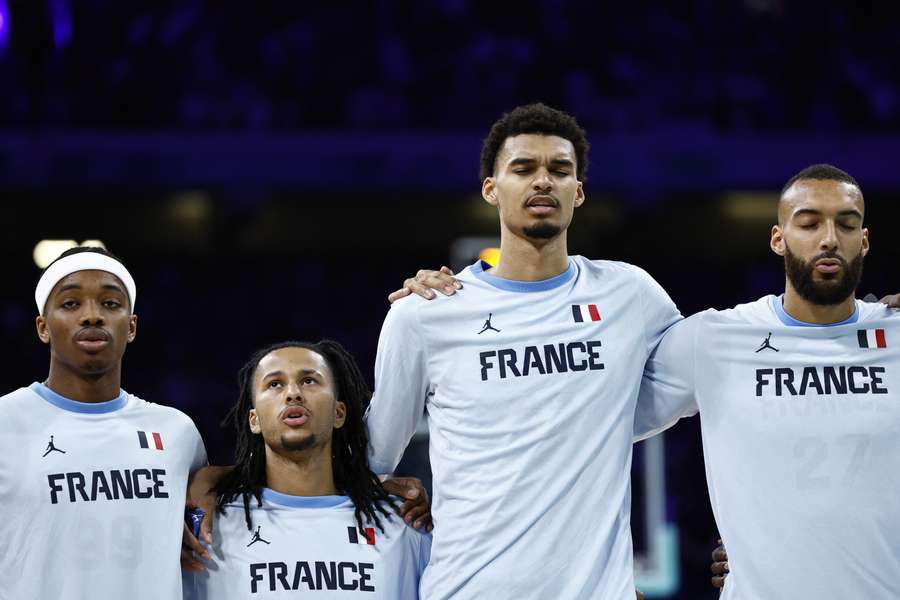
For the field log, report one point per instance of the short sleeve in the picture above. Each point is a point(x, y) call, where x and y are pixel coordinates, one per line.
point(667, 390)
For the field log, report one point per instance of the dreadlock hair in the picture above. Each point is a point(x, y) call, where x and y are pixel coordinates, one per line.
point(350, 464)
point(534, 118)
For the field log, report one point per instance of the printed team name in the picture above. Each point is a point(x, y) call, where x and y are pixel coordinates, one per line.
point(313, 576)
point(114, 485)
point(822, 380)
point(550, 358)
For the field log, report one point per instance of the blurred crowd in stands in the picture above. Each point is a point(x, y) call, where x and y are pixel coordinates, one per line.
point(448, 64)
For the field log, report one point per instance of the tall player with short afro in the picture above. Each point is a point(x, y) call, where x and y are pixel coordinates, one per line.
point(531, 421)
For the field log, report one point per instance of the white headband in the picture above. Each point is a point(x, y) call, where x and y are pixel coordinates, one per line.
point(81, 261)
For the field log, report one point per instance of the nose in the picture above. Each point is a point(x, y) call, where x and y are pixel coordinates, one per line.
point(542, 181)
point(293, 392)
point(829, 240)
point(91, 315)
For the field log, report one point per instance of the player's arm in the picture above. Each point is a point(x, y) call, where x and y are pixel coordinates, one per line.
point(192, 551)
point(719, 566)
point(425, 281)
point(401, 386)
point(667, 389)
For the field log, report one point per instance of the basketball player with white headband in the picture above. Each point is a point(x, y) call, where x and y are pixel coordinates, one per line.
point(92, 478)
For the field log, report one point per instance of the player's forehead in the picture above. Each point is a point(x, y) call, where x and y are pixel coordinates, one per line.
point(820, 196)
point(535, 146)
point(89, 282)
point(290, 362)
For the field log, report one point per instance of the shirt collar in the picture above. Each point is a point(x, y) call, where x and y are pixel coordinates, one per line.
point(513, 285)
point(778, 307)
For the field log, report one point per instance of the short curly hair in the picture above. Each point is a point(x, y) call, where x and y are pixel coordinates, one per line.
point(534, 118)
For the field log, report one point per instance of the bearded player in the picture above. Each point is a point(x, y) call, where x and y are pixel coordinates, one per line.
point(92, 478)
point(799, 398)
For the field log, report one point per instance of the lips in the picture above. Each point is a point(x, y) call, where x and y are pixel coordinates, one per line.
point(541, 205)
point(542, 200)
point(828, 265)
point(92, 339)
point(294, 416)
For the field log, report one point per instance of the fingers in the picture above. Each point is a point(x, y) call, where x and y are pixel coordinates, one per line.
point(893, 301)
point(638, 595)
point(191, 552)
point(401, 293)
point(189, 563)
point(189, 542)
point(408, 488)
point(719, 568)
point(416, 510)
point(442, 281)
point(719, 554)
point(206, 527)
point(418, 515)
point(718, 582)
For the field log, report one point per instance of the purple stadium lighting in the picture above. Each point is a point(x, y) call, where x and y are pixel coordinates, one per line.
point(62, 22)
point(4, 25)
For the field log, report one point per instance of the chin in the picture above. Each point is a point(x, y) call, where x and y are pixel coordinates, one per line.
point(296, 443)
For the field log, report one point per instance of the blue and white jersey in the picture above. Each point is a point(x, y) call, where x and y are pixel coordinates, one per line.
point(302, 547)
point(530, 389)
point(92, 496)
point(801, 437)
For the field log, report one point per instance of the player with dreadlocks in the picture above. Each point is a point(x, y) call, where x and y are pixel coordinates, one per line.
point(319, 518)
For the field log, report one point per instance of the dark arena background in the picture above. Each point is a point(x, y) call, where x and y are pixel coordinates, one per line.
point(273, 170)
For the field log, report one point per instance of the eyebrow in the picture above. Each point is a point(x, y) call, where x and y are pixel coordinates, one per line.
point(77, 286)
point(561, 162)
point(810, 211)
point(282, 374)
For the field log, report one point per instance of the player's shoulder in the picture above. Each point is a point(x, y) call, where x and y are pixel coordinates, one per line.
point(876, 311)
point(409, 307)
point(160, 412)
point(594, 266)
point(17, 398)
point(395, 528)
point(755, 312)
point(616, 273)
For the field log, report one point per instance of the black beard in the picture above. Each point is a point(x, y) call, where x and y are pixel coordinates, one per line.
point(828, 292)
point(298, 445)
point(542, 231)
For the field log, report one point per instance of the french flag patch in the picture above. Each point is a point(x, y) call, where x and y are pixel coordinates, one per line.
point(354, 538)
point(144, 441)
point(871, 338)
point(585, 312)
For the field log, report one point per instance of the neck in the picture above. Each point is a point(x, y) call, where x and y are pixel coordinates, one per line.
point(804, 310)
point(301, 473)
point(101, 387)
point(523, 259)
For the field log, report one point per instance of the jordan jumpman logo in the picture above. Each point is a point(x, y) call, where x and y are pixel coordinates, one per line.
point(488, 326)
point(52, 448)
point(256, 538)
point(767, 345)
